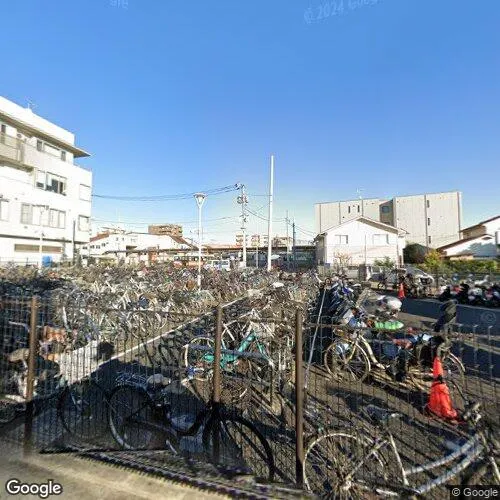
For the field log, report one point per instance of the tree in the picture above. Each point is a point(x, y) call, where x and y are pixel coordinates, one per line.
point(386, 262)
point(433, 260)
point(343, 260)
point(414, 253)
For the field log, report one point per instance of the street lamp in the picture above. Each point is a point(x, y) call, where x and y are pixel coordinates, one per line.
point(200, 199)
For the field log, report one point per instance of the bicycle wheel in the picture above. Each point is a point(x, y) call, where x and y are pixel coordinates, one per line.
point(486, 472)
point(329, 461)
point(239, 445)
point(7, 411)
point(345, 360)
point(202, 361)
point(82, 408)
point(454, 369)
point(129, 411)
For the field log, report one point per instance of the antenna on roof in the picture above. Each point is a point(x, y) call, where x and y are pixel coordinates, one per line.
point(360, 195)
point(31, 105)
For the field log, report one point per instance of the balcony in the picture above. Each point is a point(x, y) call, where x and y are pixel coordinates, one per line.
point(26, 156)
point(14, 151)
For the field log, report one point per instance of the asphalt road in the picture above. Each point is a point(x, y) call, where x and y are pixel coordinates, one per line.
point(482, 318)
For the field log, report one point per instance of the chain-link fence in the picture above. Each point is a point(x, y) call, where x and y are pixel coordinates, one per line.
point(279, 395)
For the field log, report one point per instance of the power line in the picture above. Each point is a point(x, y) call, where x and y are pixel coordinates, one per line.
point(160, 222)
point(169, 197)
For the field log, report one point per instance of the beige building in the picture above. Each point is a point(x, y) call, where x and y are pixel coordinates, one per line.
point(432, 219)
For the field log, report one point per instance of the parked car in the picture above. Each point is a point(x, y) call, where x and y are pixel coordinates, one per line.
point(420, 277)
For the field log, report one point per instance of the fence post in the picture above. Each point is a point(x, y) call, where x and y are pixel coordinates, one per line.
point(217, 385)
point(30, 388)
point(299, 401)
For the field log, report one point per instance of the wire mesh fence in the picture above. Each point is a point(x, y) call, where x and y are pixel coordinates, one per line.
point(282, 395)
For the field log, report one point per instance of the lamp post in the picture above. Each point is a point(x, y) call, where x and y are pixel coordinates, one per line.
point(200, 199)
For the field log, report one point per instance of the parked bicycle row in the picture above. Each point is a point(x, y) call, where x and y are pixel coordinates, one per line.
point(363, 371)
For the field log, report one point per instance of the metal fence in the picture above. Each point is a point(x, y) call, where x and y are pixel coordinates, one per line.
point(295, 400)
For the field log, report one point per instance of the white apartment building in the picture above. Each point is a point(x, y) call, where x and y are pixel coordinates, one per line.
point(432, 219)
point(45, 197)
point(132, 247)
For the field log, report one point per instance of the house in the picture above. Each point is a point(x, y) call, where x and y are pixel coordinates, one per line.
point(45, 197)
point(359, 241)
point(481, 241)
point(133, 247)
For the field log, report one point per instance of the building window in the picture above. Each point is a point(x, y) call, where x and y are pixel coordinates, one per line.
point(40, 179)
point(85, 192)
point(57, 219)
point(429, 239)
point(56, 184)
point(4, 210)
point(380, 239)
point(39, 145)
point(428, 204)
point(428, 221)
point(26, 213)
point(349, 209)
point(36, 248)
point(63, 155)
point(3, 133)
point(358, 209)
point(83, 223)
point(385, 209)
point(341, 239)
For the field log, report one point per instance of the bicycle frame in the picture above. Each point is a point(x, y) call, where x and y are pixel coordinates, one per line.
point(471, 450)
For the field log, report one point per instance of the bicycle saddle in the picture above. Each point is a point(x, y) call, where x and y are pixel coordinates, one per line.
point(158, 379)
point(18, 355)
point(381, 415)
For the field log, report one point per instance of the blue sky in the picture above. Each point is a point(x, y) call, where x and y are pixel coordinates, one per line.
point(393, 97)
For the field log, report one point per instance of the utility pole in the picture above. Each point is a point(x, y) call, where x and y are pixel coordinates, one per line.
point(270, 221)
point(293, 245)
point(257, 252)
point(73, 243)
point(287, 252)
point(243, 200)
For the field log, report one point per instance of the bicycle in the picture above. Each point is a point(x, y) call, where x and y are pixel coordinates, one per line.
point(140, 417)
point(79, 403)
point(351, 356)
point(354, 465)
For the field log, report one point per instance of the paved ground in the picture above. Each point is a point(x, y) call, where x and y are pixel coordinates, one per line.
point(483, 317)
point(82, 479)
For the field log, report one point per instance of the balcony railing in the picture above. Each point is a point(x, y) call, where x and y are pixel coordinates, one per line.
point(12, 148)
point(25, 154)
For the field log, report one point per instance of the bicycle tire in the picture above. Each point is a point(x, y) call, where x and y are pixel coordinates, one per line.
point(335, 364)
point(196, 357)
point(83, 416)
point(238, 445)
point(483, 473)
point(136, 436)
point(7, 412)
point(323, 470)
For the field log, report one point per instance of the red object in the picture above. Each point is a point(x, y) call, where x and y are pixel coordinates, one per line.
point(437, 368)
point(401, 291)
point(439, 399)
